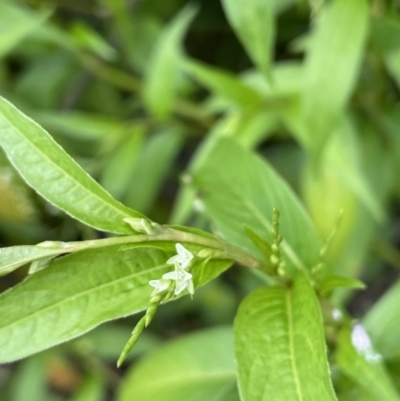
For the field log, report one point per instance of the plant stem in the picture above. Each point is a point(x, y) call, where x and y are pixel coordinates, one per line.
point(171, 235)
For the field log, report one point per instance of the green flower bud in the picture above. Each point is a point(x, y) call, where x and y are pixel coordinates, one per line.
point(137, 331)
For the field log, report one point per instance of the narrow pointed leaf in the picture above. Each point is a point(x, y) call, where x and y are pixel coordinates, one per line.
point(253, 22)
point(223, 83)
point(54, 175)
point(333, 281)
point(17, 23)
point(77, 293)
point(161, 82)
point(196, 367)
point(280, 346)
point(332, 65)
point(244, 193)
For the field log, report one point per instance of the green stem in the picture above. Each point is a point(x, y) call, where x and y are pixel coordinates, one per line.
point(171, 235)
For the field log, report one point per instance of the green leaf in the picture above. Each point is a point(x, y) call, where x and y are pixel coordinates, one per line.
point(332, 64)
point(79, 125)
point(78, 292)
point(91, 389)
point(381, 322)
point(16, 23)
point(222, 82)
point(196, 367)
point(361, 364)
point(236, 194)
point(280, 346)
point(154, 163)
point(117, 175)
point(253, 22)
point(161, 82)
point(55, 176)
point(333, 281)
point(13, 257)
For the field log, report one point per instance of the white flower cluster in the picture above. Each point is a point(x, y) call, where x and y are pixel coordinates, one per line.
point(183, 279)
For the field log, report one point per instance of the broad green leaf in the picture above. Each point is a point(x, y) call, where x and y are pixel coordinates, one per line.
point(332, 64)
point(196, 367)
point(248, 126)
point(357, 359)
point(118, 173)
point(11, 258)
point(16, 23)
point(280, 346)
point(154, 163)
point(223, 83)
point(253, 22)
point(55, 176)
point(381, 322)
point(80, 291)
point(236, 194)
point(161, 81)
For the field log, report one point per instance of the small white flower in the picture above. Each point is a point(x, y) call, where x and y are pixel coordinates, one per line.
point(183, 258)
point(183, 279)
point(159, 285)
point(362, 344)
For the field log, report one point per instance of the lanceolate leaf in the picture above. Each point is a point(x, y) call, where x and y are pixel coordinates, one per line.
point(280, 347)
point(161, 83)
point(77, 293)
point(332, 65)
point(53, 174)
point(253, 23)
point(223, 83)
point(16, 23)
point(243, 190)
point(197, 367)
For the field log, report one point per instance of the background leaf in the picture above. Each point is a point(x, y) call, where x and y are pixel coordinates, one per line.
point(381, 323)
point(364, 366)
point(254, 24)
point(332, 65)
point(280, 346)
point(197, 367)
point(161, 81)
point(16, 23)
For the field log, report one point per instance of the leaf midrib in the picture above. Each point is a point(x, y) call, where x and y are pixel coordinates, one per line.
point(81, 294)
point(289, 314)
point(290, 252)
point(65, 173)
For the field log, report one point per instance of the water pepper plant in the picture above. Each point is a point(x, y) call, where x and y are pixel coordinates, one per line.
point(284, 197)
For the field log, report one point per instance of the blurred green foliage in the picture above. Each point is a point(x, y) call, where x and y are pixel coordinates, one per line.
point(139, 91)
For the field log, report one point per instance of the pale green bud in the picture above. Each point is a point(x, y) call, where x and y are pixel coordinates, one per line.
point(140, 225)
